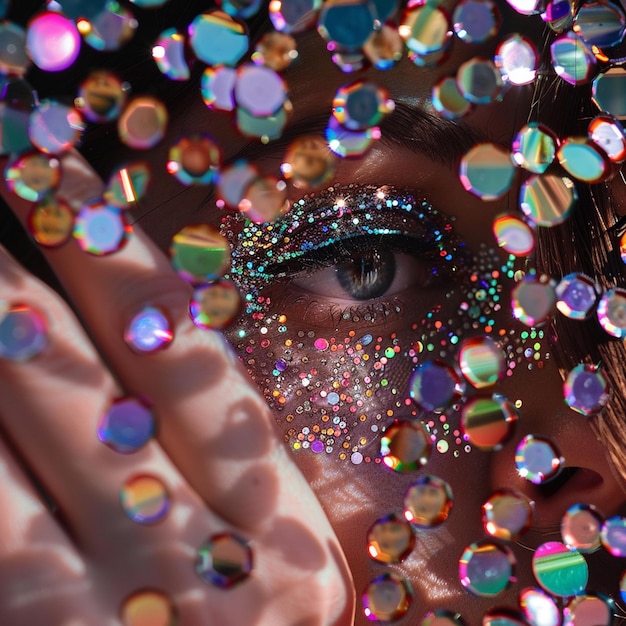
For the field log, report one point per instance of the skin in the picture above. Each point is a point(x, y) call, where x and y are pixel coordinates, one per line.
point(259, 489)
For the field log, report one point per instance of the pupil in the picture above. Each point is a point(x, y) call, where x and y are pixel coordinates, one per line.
point(367, 275)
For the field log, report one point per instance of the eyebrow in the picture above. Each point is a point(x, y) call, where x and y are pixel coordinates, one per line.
point(408, 126)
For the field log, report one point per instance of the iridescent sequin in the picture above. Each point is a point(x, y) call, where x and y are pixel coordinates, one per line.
point(23, 332)
point(127, 426)
point(149, 330)
point(224, 560)
point(145, 499)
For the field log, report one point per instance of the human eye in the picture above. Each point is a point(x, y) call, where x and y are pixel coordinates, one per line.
point(366, 250)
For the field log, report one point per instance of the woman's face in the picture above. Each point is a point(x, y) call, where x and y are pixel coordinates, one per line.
point(333, 345)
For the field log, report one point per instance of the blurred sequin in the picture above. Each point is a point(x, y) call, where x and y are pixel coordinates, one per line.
point(427, 502)
point(23, 332)
point(390, 539)
point(110, 29)
point(487, 171)
point(194, 159)
point(580, 527)
point(127, 426)
point(215, 305)
point(33, 175)
point(100, 229)
point(586, 390)
point(148, 608)
point(218, 39)
point(143, 123)
point(560, 570)
point(101, 96)
point(145, 499)
point(387, 598)
point(611, 312)
point(486, 568)
point(537, 459)
point(51, 222)
point(54, 127)
point(405, 446)
point(488, 423)
point(149, 330)
point(52, 41)
point(127, 184)
point(507, 514)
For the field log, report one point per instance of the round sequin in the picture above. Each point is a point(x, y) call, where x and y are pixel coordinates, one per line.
point(265, 200)
point(405, 446)
point(486, 568)
point(426, 29)
point(194, 160)
point(611, 312)
point(101, 96)
point(361, 104)
point(534, 148)
point(145, 499)
point(390, 539)
point(547, 200)
point(127, 426)
point(479, 81)
point(539, 608)
point(275, 50)
point(17, 100)
point(293, 17)
point(516, 57)
point(348, 143)
point(52, 41)
point(482, 362)
point(110, 29)
point(609, 135)
point(474, 21)
point(199, 253)
point(23, 332)
point(149, 330)
point(169, 54)
point(580, 528)
point(308, 162)
point(54, 127)
point(427, 502)
point(224, 560)
point(384, 47)
point(143, 123)
point(589, 610)
point(51, 222)
point(127, 184)
point(387, 598)
point(259, 90)
point(534, 300)
point(217, 87)
point(600, 24)
point(218, 39)
point(264, 128)
point(577, 295)
point(33, 175)
point(502, 617)
point(572, 60)
point(514, 235)
point(346, 25)
point(13, 55)
point(215, 305)
point(233, 181)
point(613, 535)
point(447, 100)
point(559, 570)
point(507, 514)
point(608, 91)
point(148, 608)
point(101, 229)
point(487, 171)
point(488, 422)
point(434, 386)
point(586, 390)
point(537, 459)
point(582, 159)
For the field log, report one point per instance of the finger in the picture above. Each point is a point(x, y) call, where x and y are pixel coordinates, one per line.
point(41, 573)
point(217, 428)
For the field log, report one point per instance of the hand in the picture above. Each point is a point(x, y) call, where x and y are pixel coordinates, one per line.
point(215, 450)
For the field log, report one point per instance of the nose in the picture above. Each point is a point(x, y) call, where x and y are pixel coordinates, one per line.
point(586, 476)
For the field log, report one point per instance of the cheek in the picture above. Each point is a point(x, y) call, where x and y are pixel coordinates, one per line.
point(332, 391)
